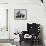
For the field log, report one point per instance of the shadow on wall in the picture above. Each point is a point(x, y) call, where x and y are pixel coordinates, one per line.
point(41, 34)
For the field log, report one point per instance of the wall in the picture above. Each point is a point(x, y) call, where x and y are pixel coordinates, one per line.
point(4, 34)
point(3, 1)
point(3, 21)
point(35, 14)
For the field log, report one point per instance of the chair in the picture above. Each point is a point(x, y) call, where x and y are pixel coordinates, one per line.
point(33, 30)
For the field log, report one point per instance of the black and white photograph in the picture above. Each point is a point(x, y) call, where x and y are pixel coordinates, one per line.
point(20, 14)
point(22, 22)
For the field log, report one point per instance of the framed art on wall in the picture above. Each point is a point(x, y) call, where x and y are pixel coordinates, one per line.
point(20, 14)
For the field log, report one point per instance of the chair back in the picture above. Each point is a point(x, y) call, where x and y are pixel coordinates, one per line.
point(33, 28)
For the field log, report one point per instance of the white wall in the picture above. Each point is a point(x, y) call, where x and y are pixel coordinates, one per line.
point(3, 1)
point(3, 34)
point(3, 21)
point(35, 14)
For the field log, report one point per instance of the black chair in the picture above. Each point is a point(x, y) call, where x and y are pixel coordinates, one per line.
point(32, 29)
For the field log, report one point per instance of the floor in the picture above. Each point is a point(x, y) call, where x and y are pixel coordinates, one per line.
point(5, 44)
point(8, 44)
point(26, 44)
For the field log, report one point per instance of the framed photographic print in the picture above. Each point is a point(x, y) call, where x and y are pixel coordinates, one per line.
point(20, 14)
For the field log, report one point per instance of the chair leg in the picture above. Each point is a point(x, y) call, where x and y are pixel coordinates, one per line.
point(20, 42)
point(32, 42)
